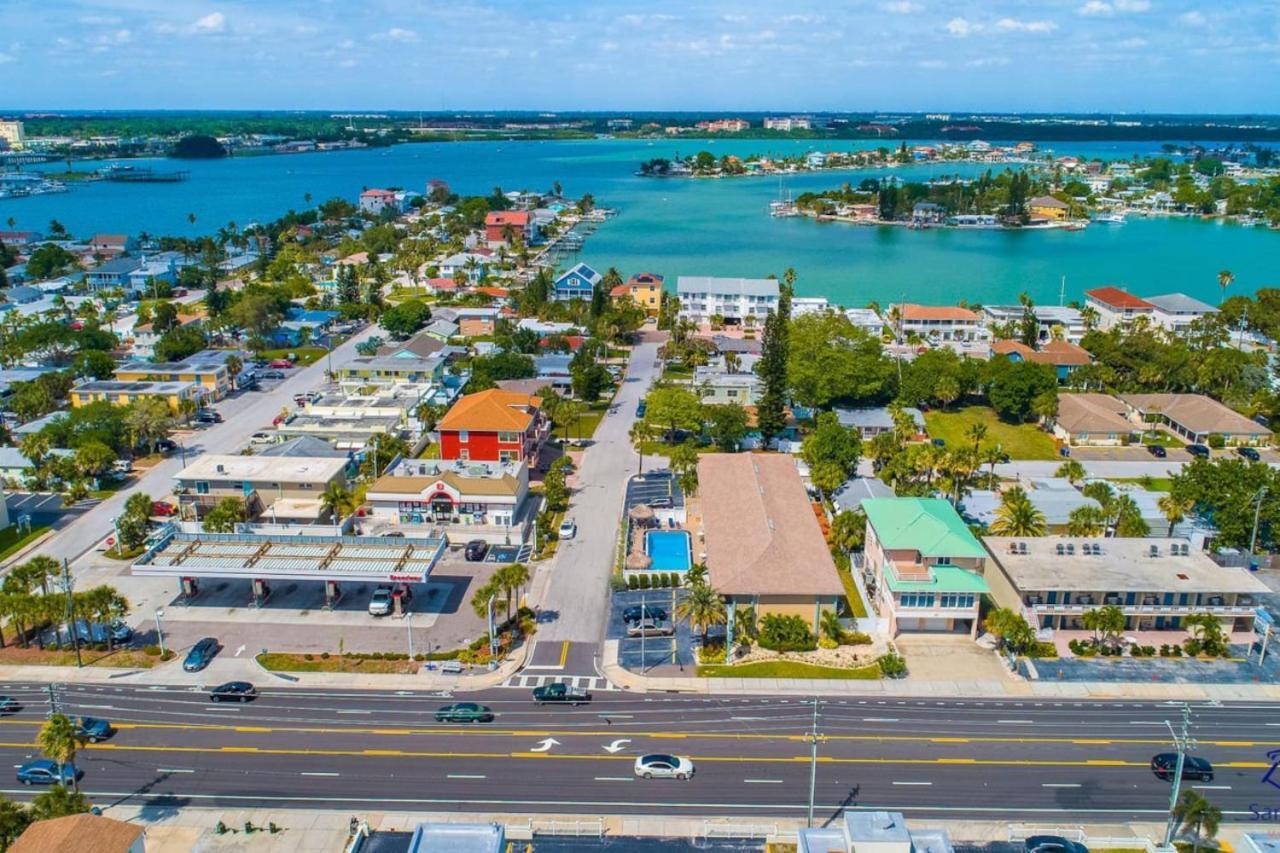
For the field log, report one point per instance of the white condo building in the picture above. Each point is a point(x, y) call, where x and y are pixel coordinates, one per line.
point(734, 299)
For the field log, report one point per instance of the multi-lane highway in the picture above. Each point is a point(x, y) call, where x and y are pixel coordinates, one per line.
point(964, 758)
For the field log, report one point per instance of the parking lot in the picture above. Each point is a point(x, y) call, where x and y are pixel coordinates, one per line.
point(652, 655)
point(658, 489)
point(1235, 670)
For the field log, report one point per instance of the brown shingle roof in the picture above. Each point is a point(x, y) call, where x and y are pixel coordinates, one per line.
point(1196, 413)
point(1079, 413)
point(1054, 352)
point(761, 537)
point(491, 410)
point(81, 833)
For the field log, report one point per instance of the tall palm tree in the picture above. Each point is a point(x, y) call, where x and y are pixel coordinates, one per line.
point(702, 607)
point(1197, 817)
point(1086, 521)
point(1071, 470)
point(59, 741)
point(1175, 509)
point(1018, 516)
point(976, 433)
point(512, 579)
point(337, 500)
point(1225, 277)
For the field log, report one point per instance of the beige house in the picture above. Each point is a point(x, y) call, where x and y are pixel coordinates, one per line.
point(281, 489)
point(1097, 420)
point(1195, 417)
point(762, 543)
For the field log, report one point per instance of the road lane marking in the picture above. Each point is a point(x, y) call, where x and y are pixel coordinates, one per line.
point(614, 779)
point(1015, 722)
point(1059, 784)
point(762, 781)
point(564, 653)
point(466, 776)
point(355, 712)
point(173, 770)
point(879, 719)
point(317, 773)
point(1213, 787)
point(913, 783)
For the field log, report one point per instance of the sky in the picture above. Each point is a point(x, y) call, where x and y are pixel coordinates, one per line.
point(799, 55)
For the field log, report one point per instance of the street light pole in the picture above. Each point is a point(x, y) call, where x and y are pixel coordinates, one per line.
point(813, 760)
point(408, 619)
point(1253, 537)
point(160, 630)
point(1183, 742)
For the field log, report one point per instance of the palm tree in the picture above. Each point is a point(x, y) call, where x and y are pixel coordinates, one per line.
point(59, 741)
point(976, 433)
point(36, 572)
point(337, 500)
point(732, 361)
point(511, 580)
point(702, 607)
point(1106, 623)
point(1086, 521)
point(992, 456)
point(1018, 516)
point(830, 626)
point(1071, 470)
point(1197, 817)
point(746, 623)
point(1225, 277)
point(1175, 509)
point(697, 575)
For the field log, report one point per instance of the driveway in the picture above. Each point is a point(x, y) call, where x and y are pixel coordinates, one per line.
point(575, 602)
point(948, 657)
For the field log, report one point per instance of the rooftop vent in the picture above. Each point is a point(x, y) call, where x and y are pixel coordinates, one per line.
point(1154, 551)
point(1071, 549)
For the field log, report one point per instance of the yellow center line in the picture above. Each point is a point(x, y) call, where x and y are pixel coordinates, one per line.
point(564, 653)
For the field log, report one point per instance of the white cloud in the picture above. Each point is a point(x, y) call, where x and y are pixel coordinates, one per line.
point(988, 61)
point(1132, 5)
point(960, 27)
point(1192, 19)
point(1132, 44)
point(214, 22)
point(803, 19)
point(901, 7)
point(1016, 26)
point(4, 57)
point(1108, 7)
point(397, 34)
point(1096, 7)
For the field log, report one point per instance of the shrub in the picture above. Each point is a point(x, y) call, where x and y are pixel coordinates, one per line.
point(1175, 650)
point(167, 654)
point(151, 651)
point(617, 583)
point(633, 582)
point(668, 580)
point(324, 656)
point(308, 657)
point(1042, 650)
point(1217, 441)
point(712, 653)
point(786, 634)
point(857, 638)
point(891, 665)
point(479, 642)
point(1149, 651)
point(645, 581)
point(1192, 646)
point(828, 643)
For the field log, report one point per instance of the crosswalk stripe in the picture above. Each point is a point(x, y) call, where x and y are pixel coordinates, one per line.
point(587, 682)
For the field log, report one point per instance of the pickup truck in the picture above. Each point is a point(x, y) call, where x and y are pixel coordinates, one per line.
point(560, 693)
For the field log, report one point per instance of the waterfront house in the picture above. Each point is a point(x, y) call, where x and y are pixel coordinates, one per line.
point(20, 239)
point(502, 227)
point(1068, 321)
point(1177, 311)
point(111, 244)
point(867, 320)
point(737, 301)
point(644, 289)
point(760, 539)
point(1115, 306)
point(280, 488)
point(493, 426)
point(474, 500)
point(579, 282)
point(123, 393)
point(1054, 580)
point(940, 323)
point(870, 421)
point(923, 566)
point(802, 305)
point(1092, 419)
point(1048, 207)
point(927, 213)
point(113, 273)
point(374, 201)
point(1194, 417)
point(1062, 356)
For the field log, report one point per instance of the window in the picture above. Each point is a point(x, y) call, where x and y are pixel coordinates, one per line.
point(202, 488)
point(508, 437)
point(464, 455)
point(464, 436)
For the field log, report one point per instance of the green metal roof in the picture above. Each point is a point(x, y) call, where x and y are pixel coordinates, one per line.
point(945, 579)
point(928, 525)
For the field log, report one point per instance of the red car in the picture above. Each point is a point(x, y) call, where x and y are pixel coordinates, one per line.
point(280, 364)
point(163, 509)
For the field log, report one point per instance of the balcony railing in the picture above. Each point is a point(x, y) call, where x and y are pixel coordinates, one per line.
point(1043, 609)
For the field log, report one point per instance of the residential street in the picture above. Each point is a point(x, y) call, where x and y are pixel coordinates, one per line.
point(1067, 760)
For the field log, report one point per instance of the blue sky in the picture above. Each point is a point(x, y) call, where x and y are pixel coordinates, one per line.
point(1079, 55)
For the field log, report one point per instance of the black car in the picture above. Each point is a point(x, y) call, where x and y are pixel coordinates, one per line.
point(641, 409)
point(272, 374)
point(208, 416)
point(1165, 764)
point(1157, 451)
point(1198, 450)
point(632, 613)
point(233, 691)
point(9, 705)
point(475, 550)
point(165, 445)
point(200, 655)
point(1249, 453)
point(1052, 844)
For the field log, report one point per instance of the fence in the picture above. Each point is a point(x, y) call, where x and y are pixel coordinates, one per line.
point(583, 828)
point(738, 830)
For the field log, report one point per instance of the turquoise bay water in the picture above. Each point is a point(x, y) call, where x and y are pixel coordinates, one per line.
point(702, 227)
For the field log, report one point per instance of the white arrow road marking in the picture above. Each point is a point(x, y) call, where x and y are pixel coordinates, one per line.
point(240, 651)
point(616, 746)
point(545, 745)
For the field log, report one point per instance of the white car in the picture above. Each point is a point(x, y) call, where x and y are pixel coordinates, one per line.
point(568, 529)
point(659, 766)
point(261, 438)
point(380, 602)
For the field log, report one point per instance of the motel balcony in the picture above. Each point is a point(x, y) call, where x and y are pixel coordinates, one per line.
point(1217, 605)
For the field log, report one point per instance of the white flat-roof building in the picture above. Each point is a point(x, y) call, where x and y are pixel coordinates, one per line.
point(867, 320)
point(282, 488)
point(1177, 311)
point(1047, 318)
point(740, 301)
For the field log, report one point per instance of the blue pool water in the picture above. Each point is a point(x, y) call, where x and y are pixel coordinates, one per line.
point(668, 549)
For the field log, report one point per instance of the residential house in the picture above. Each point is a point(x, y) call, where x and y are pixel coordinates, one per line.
point(503, 227)
point(1054, 580)
point(305, 447)
point(81, 833)
point(923, 566)
point(474, 267)
point(1177, 311)
point(213, 379)
point(283, 489)
point(849, 497)
point(1055, 498)
point(493, 426)
point(123, 393)
point(867, 320)
point(927, 213)
point(1195, 417)
point(16, 470)
point(871, 421)
point(472, 500)
point(111, 244)
point(579, 282)
point(715, 385)
point(1068, 322)
point(1115, 306)
point(940, 323)
point(401, 368)
point(145, 337)
point(116, 272)
point(144, 281)
point(554, 370)
point(761, 541)
point(441, 329)
point(644, 289)
point(802, 305)
point(1062, 356)
point(736, 301)
point(1048, 207)
point(20, 239)
point(1091, 419)
point(374, 201)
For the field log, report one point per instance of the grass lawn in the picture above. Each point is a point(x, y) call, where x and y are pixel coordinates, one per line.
point(1020, 441)
point(851, 592)
point(124, 658)
point(677, 371)
point(400, 294)
point(114, 553)
point(11, 541)
point(305, 355)
point(788, 669)
point(286, 662)
point(1151, 484)
point(584, 426)
point(1162, 438)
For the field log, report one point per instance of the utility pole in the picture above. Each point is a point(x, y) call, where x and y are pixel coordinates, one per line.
point(813, 760)
point(1253, 537)
point(1183, 742)
point(71, 609)
point(644, 613)
point(54, 706)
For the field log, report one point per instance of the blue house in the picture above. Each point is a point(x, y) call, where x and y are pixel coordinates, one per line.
point(577, 283)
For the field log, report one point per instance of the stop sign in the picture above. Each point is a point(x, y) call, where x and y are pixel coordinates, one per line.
point(111, 540)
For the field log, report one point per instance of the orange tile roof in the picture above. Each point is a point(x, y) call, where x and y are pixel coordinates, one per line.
point(491, 410)
point(495, 292)
point(1117, 298)
point(937, 312)
point(1010, 347)
point(620, 290)
point(1057, 353)
point(514, 218)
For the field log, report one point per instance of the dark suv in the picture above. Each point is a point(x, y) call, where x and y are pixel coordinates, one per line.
point(200, 655)
point(475, 550)
point(1249, 453)
point(1165, 765)
point(1157, 451)
point(1198, 450)
point(632, 613)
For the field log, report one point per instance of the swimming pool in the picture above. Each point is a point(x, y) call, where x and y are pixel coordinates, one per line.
point(668, 549)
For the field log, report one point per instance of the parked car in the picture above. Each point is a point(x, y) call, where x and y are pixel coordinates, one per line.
point(1157, 451)
point(475, 550)
point(272, 374)
point(650, 628)
point(465, 712)
point(633, 614)
point(641, 409)
point(1165, 765)
point(1198, 450)
point(1052, 844)
point(9, 705)
point(280, 364)
point(208, 416)
point(261, 438)
point(661, 766)
point(568, 529)
point(93, 730)
point(45, 772)
point(233, 691)
point(115, 631)
point(380, 601)
point(1064, 451)
point(1249, 453)
point(166, 445)
point(200, 655)
point(393, 534)
point(163, 508)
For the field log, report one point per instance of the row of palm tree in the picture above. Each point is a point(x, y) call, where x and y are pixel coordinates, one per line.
point(30, 598)
point(507, 582)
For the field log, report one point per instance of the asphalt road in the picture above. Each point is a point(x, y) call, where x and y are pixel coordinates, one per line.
point(1026, 761)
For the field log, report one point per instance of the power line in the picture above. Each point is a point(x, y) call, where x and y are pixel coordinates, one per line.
point(1184, 743)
